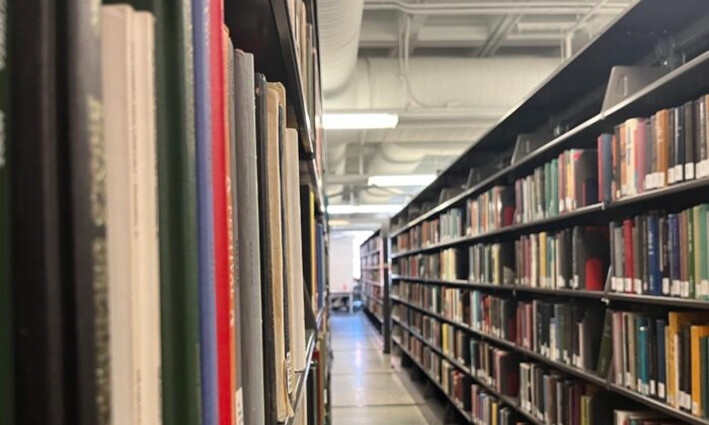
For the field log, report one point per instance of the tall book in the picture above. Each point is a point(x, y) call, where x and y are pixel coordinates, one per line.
point(179, 278)
point(42, 392)
point(79, 117)
point(307, 221)
point(232, 220)
point(286, 306)
point(267, 253)
point(244, 161)
point(7, 383)
point(205, 211)
point(134, 305)
point(293, 246)
point(220, 247)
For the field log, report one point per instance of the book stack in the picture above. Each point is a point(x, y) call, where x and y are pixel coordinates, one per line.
point(647, 153)
point(492, 264)
point(444, 265)
point(493, 315)
point(663, 357)
point(451, 223)
point(561, 185)
point(565, 333)
point(454, 303)
point(554, 399)
point(662, 254)
point(152, 212)
point(491, 210)
point(637, 417)
point(456, 384)
point(487, 409)
point(495, 366)
point(575, 258)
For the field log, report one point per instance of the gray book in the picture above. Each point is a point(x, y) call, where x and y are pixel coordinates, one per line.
point(248, 292)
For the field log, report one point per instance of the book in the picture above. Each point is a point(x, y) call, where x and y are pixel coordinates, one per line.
point(179, 278)
point(294, 250)
point(79, 111)
point(244, 161)
point(237, 406)
point(38, 199)
point(205, 212)
point(605, 350)
point(128, 80)
point(7, 381)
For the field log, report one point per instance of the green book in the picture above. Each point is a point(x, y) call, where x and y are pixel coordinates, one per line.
point(693, 292)
point(179, 296)
point(555, 187)
point(7, 403)
point(604, 353)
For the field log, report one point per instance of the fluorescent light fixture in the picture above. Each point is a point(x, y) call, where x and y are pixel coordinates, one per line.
point(400, 181)
point(359, 121)
point(363, 209)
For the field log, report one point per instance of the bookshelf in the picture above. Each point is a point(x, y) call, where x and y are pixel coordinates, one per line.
point(226, 160)
point(433, 239)
point(374, 271)
point(287, 52)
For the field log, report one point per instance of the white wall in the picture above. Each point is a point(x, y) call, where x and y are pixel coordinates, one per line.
point(341, 263)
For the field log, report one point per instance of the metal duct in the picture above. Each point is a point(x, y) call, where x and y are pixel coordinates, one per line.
point(339, 24)
point(440, 83)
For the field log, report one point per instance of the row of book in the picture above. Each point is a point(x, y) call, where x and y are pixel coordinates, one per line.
point(151, 207)
point(543, 393)
point(491, 210)
point(563, 332)
point(449, 302)
point(441, 265)
point(647, 153)
point(561, 185)
point(493, 315)
point(662, 254)
point(555, 399)
point(486, 408)
point(663, 356)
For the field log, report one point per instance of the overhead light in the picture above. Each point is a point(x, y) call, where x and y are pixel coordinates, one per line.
point(363, 209)
point(404, 180)
point(359, 121)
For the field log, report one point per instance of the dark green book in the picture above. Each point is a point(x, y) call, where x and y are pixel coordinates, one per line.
point(7, 403)
point(604, 353)
point(179, 280)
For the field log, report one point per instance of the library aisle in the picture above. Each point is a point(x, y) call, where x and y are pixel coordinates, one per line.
point(366, 389)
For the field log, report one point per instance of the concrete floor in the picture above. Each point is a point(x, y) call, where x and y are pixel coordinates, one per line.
point(366, 388)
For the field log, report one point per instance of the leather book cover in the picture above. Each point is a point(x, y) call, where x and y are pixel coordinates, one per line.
point(244, 162)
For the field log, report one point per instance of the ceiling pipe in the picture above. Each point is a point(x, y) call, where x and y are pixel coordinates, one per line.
point(493, 8)
point(339, 25)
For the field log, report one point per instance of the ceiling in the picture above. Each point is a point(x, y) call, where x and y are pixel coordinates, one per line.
point(449, 69)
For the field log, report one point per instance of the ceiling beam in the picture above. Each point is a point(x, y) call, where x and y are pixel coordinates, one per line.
point(495, 8)
point(499, 33)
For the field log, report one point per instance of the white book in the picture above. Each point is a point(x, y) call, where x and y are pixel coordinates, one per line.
point(119, 127)
point(294, 248)
point(146, 215)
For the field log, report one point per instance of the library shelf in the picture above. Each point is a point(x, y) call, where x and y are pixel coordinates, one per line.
point(372, 252)
point(685, 81)
point(466, 415)
point(658, 300)
point(301, 378)
point(373, 298)
point(507, 400)
point(658, 405)
point(581, 293)
point(371, 268)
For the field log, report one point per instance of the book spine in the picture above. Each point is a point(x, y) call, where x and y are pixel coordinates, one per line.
point(7, 381)
point(179, 276)
point(205, 212)
point(82, 126)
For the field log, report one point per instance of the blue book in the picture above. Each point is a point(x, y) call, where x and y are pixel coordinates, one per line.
point(205, 216)
point(653, 255)
point(643, 367)
point(605, 150)
point(661, 324)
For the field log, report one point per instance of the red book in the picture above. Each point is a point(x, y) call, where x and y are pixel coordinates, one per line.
point(221, 243)
point(628, 254)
